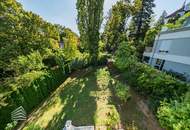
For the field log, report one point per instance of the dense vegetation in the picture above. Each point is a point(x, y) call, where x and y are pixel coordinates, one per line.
point(167, 95)
point(89, 22)
point(115, 30)
point(36, 57)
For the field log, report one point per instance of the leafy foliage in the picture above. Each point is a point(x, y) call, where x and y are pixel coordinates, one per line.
point(147, 80)
point(113, 118)
point(140, 22)
point(89, 22)
point(32, 62)
point(28, 63)
point(115, 31)
point(150, 37)
point(125, 56)
point(11, 126)
point(175, 115)
point(103, 78)
point(179, 22)
point(33, 127)
point(121, 91)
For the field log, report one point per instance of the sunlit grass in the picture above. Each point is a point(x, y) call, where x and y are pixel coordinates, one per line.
point(78, 99)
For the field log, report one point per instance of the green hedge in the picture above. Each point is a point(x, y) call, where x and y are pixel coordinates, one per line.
point(33, 88)
point(154, 84)
point(175, 115)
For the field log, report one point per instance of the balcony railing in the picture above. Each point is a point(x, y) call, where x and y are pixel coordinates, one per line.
point(148, 49)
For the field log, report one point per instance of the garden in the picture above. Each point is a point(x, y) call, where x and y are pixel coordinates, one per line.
point(92, 78)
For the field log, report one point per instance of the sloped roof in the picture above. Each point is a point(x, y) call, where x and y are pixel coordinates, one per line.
point(176, 12)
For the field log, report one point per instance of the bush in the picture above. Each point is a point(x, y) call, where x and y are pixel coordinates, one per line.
point(29, 90)
point(32, 87)
point(81, 61)
point(158, 86)
point(11, 126)
point(103, 78)
point(121, 91)
point(102, 58)
point(24, 64)
point(147, 80)
point(175, 115)
point(125, 56)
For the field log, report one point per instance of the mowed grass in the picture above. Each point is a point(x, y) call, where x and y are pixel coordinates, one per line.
point(79, 99)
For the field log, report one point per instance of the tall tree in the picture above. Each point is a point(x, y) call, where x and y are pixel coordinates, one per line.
point(22, 33)
point(155, 30)
point(115, 29)
point(90, 16)
point(161, 20)
point(141, 20)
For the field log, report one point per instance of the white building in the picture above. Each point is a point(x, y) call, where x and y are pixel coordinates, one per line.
point(171, 51)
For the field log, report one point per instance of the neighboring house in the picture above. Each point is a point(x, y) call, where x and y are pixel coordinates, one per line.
point(171, 51)
point(180, 12)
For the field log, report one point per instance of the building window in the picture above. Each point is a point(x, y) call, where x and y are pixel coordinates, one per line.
point(146, 59)
point(159, 64)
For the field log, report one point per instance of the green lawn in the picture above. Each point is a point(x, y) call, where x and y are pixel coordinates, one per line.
point(77, 99)
point(81, 100)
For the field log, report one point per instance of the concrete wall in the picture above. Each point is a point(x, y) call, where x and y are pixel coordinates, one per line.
point(176, 67)
point(180, 47)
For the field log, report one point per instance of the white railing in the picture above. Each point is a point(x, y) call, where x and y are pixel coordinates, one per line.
point(148, 49)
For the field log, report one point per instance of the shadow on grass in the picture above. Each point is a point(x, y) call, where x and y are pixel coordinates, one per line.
point(129, 112)
point(78, 105)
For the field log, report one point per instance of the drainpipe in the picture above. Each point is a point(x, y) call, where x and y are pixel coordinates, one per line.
point(154, 49)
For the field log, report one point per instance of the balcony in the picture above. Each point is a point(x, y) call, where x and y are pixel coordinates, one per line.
point(148, 49)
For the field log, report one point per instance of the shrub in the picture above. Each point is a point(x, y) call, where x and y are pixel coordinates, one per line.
point(81, 61)
point(11, 126)
point(102, 58)
point(103, 78)
point(175, 115)
point(147, 80)
point(125, 56)
point(24, 64)
point(29, 90)
point(158, 86)
point(121, 91)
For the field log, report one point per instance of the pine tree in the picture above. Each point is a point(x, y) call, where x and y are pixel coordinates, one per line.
point(161, 21)
point(140, 22)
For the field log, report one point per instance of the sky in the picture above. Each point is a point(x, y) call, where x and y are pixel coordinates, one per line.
point(64, 11)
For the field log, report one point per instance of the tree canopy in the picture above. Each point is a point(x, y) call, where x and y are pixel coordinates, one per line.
point(90, 16)
point(115, 28)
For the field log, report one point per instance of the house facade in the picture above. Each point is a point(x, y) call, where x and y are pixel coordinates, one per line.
point(171, 52)
point(171, 49)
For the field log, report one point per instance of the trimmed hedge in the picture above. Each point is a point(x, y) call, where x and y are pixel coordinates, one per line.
point(33, 88)
point(30, 89)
